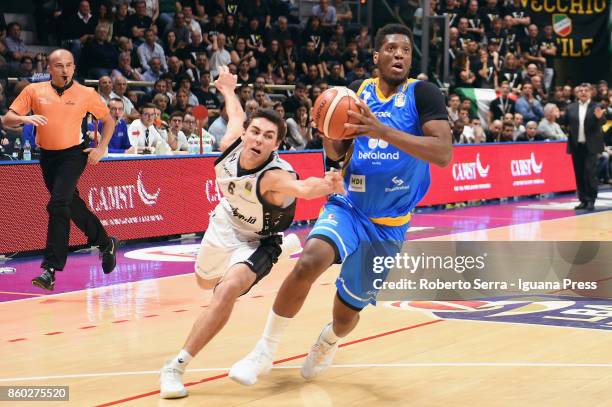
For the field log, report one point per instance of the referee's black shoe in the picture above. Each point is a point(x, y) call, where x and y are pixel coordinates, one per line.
point(109, 255)
point(46, 280)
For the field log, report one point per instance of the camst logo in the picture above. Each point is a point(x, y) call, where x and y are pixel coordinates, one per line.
point(470, 171)
point(523, 168)
point(117, 197)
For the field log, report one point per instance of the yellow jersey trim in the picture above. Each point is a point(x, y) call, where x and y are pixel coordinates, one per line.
point(398, 221)
point(364, 84)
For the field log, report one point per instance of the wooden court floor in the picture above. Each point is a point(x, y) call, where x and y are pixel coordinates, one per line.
point(108, 343)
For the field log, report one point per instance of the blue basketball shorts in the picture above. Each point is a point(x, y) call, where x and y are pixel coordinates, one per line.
point(359, 244)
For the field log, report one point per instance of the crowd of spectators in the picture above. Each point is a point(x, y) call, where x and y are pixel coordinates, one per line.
point(178, 46)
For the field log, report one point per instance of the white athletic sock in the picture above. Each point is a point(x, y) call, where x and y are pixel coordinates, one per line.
point(328, 334)
point(182, 359)
point(275, 326)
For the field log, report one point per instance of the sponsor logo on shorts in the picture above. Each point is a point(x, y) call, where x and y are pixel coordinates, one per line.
point(357, 183)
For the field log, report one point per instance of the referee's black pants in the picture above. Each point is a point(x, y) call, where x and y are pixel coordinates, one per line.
point(585, 171)
point(61, 171)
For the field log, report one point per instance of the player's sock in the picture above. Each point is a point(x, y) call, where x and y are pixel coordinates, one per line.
point(275, 326)
point(328, 334)
point(182, 359)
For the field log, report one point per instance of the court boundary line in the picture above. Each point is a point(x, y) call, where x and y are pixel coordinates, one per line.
point(337, 366)
point(220, 376)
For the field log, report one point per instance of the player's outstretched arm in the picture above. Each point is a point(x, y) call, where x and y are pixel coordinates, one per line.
point(226, 84)
point(283, 182)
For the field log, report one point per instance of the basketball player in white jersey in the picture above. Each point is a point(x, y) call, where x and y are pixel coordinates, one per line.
point(243, 238)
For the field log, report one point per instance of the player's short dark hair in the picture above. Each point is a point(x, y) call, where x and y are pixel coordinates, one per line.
point(271, 116)
point(390, 29)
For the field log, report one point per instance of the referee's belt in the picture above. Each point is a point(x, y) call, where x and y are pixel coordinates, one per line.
point(397, 221)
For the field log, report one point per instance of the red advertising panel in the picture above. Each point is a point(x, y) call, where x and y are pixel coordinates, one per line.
point(487, 171)
point(134, 198)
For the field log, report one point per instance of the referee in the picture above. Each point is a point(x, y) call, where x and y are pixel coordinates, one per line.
point(58, 109)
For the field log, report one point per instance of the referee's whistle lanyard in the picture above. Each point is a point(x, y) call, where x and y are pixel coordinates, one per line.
point(60, 91)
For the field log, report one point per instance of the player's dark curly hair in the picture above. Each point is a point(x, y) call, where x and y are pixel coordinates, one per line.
point(391, 29)
point(273, 117)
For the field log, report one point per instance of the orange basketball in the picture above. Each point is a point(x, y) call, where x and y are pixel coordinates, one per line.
point(329, 112)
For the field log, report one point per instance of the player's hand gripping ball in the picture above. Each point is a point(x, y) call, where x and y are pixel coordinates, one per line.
point(329, 112)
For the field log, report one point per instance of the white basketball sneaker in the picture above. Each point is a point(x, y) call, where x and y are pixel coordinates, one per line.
point(319, 358)
point(246, 370)
point(291, 245)
point(171, 382)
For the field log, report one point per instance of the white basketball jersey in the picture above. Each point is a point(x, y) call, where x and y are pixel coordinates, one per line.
point(242, 201)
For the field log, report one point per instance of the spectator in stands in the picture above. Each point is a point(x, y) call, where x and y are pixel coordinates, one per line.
point(316, 33)
point(105, 88)
point(125, 44)
point(105, 18)
point(245, 94)
point(531, 133)
point(262, 98)
point(162, 102)
point(231, 29)
point(511, 73)
point(283, 32)
point(181, 101)
point(245, 75)
point(119, 142)
point(259, 10)
point(201, 65)
point(175, 137)
point(220, 56)
point(219, 126)
point(527, 105)
point(206, 96)
point(364, 39)
point(272, 62)
point(250, 107)
point(602, 91)
point(126, 69)
point(143, 134)
point(290, 58)
point(241, 53)
point(149, 49)
point(335, 77)
point(195, 47)
point(559, 99)
point(16, 48)
point(180, 28)
point(344, 15)
point(254, 35)
point(155, 70)
point(79, 28)
point(464, 115)
point(519, 128)
point(299, 130)
point(184, 83)
point(359, 72)
point(119, 91)
point(548, 46)
point(213, 28)
point(294, 101)
point(190, 129)
point(507, 134)
point(458, 132)
point(493, 133)
point(312, 77)
point(139, 22)
point(487, 70)
point(26, 67)
point(99, 56)
point(539, 92)
point(463, 74)
point(326, 13)
point(531, 47)
point(331, 56)
point(474, 20)
point(310, 56)
point(190, 22)
point(501, 105)
point(548, 127)
point(453, 107)
point(175, 69)
point(121, 27)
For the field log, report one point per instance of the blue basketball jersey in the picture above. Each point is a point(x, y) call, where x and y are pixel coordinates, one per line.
point(381, 180)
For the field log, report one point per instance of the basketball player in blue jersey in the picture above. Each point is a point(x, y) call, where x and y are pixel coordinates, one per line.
point(403, 126)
